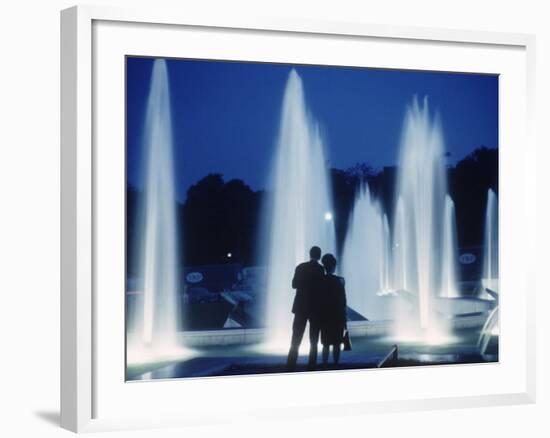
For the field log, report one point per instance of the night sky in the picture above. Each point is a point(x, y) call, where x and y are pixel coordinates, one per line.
point(225, 115)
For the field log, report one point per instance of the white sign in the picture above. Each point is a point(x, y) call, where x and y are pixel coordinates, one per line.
point(467, 258)
point(194, 277)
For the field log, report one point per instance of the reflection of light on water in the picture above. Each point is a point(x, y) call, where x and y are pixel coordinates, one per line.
point(432, 358)
point(274, 347)
point(426, 338)
point(142, 354)
point(280, 345)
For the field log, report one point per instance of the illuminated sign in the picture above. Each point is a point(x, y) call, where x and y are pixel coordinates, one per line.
point(194, 277)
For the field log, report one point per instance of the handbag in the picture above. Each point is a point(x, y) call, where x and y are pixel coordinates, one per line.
point(346, 341)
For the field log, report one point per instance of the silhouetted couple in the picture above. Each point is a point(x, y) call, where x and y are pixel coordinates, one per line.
point(320, 300)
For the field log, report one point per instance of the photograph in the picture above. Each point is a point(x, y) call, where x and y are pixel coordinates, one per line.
point(285, 218)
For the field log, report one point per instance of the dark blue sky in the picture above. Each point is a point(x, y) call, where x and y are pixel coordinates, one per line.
point(225, 115)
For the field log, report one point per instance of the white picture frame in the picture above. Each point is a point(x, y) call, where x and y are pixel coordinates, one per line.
point(87, 377)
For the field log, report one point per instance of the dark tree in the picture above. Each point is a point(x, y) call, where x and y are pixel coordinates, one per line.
point(219, 219)
point(360, 172)
point(469, 182)
point(133, 202)
point(344, 188)
point(382, 186)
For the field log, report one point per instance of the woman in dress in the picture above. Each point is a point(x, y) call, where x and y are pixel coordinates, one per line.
point(333, 313)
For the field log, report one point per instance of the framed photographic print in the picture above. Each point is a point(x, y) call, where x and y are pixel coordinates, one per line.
point(250, 208)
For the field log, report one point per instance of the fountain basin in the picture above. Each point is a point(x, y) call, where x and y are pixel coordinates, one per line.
point(243, 336)
point(454, 314)
point(463, 305)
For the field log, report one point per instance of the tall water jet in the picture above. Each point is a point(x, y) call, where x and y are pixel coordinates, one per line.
point(155, 320)
point(385, 269)
point(400, 250)
point(300, 213)
point(422, 187)
point(490, 265)
point(363, 256)
point(449, 287)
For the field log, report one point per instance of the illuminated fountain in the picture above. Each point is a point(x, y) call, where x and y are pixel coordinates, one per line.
point(365, 256)
point(154, 320)
point(300, 213)
point(490, 278)
point(449, 251)
point(385, 268)
point(424, 222)
point(400, 250)
point(490, 265)
point(406, 275)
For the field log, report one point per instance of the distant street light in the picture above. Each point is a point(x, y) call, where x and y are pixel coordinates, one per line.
point(328, 216)
point(229, 255)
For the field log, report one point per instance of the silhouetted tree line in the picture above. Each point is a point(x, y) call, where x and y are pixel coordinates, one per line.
point(219, 217)
point(469, 181)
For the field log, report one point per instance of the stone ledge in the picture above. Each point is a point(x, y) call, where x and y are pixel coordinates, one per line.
point(242, 336)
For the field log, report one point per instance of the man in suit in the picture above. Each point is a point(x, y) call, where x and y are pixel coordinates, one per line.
point(308, 280)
